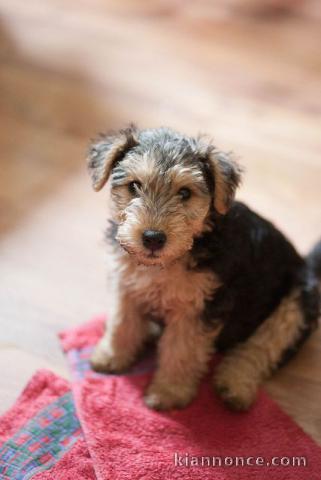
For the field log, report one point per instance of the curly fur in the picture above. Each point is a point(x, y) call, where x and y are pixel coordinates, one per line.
point(225, 279)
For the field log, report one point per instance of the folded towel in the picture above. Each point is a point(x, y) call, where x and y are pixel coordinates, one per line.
point(40, 436)
point(99, 428)
point(126, 440)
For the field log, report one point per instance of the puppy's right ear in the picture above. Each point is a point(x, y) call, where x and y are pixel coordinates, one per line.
point(105, 152)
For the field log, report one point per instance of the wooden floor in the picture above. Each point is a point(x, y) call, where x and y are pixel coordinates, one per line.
point(71, 68)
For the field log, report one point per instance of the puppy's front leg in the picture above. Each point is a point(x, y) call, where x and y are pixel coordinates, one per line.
point(184, 351)
point(126, 330)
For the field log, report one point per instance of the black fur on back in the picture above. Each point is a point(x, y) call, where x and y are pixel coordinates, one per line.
point(258, 266)
point(314, 260)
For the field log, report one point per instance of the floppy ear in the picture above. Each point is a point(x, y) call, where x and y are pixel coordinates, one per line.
point(105, 152)
point(226, 173)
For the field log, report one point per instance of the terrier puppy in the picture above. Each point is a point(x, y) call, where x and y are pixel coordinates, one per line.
point(218, 276)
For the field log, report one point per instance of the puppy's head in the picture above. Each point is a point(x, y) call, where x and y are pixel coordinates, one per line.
point(163, 186)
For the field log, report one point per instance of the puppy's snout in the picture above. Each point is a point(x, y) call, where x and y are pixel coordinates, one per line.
point(154, 239)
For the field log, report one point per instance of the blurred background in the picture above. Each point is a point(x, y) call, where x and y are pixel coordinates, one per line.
point(247, 72)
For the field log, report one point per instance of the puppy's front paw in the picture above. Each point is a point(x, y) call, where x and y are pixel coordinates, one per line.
point(236, 383)
point(104, 362)
point(166, 397)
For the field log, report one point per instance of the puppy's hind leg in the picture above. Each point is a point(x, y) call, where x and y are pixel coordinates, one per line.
point(243, 369)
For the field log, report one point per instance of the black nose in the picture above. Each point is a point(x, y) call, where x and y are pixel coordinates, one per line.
point(154, 239)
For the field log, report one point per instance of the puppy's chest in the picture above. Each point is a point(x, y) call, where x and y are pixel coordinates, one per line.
point(176, 287)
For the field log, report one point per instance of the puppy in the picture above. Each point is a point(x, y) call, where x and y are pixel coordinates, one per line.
point(217, 275)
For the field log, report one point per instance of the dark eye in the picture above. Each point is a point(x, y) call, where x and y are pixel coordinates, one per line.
point(184, 193)
point(133, 187)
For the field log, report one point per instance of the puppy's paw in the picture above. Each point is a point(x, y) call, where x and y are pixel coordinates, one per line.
point(166, 397)
point(236, 384)
point(103, 362)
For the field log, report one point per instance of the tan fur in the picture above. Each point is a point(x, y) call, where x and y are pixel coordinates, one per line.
point(184, 351)
point(160, 283)
point(176, 295)
point(150, 210)
point(126, 332)
point(100, 165)
point(242, 370)
point(160, 291)
point(224, 190)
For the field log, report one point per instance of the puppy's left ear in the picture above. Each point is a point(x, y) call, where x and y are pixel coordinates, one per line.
point(106, 151)
point(227, 175)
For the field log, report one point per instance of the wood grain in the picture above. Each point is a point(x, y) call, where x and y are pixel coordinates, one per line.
point(72, 68)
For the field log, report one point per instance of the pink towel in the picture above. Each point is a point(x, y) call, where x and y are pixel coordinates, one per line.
point(108, 433)
point(40, 436)
point(126, 440)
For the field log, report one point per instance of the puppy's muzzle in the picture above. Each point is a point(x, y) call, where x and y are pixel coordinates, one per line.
point(153, 239)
